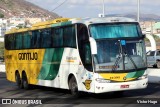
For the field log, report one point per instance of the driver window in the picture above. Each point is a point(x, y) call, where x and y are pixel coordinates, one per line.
point(87, 53)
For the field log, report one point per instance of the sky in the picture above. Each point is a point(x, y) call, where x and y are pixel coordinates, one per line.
point(91, 8)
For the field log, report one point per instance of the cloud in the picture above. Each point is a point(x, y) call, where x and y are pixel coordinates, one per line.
point(74, 8)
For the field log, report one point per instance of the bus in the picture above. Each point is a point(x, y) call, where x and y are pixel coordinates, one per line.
point(94, 55)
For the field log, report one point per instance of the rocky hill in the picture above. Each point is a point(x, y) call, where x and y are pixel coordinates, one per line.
point(22, 8)
point(143, 17)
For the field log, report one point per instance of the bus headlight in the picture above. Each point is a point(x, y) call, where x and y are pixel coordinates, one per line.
point(143, 77)
point(101, 80)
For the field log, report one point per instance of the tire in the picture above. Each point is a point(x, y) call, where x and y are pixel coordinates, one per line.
point(118, 93)
point(158, 64)
point(25, 81)
point(73, 87)
point(18, 80)
point(155, 66)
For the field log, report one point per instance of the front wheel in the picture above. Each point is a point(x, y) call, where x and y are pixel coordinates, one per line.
point(73, 87)
point(118, 93)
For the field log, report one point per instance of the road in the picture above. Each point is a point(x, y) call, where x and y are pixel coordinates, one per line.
point(57, 97)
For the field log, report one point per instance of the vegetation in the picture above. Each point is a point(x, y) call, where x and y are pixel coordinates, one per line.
point(1, 49)
point(1, 15)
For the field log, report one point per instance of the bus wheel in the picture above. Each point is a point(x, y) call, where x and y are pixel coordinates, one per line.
point(25, 81)
point(73, 87)
point(118, 93)
point(18, 80)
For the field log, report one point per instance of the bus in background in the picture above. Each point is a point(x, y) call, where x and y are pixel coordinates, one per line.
point(94, 55)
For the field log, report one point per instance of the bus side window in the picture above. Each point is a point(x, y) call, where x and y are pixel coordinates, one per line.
point(13, 44)
point(26, 40)
point(9, 42)
point(35, 39)
point(46, 38)
point(57, 37)
point(19, 41)
point(69, 36)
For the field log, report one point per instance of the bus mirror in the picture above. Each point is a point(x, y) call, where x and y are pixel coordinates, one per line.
point(93, 45)
point(144, 35)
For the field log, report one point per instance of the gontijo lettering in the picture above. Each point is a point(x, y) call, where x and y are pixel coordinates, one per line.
point(28, 56)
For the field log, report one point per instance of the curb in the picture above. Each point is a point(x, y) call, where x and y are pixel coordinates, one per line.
point(2, 75)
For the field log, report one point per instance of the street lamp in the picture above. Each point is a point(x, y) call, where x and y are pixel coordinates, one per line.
point(138, 10)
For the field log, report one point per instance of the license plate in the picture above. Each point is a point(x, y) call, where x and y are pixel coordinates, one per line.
point(124, 86)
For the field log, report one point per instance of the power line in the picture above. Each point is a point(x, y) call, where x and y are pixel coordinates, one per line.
point(59, 5)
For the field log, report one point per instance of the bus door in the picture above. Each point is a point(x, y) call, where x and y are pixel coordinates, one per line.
point(85, 68)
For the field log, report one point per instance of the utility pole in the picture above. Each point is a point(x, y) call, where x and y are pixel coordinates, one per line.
point(138, 10)
point(103, 9)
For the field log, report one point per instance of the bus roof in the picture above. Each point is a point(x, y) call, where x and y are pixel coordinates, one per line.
point(59, 21)
point(40, 25)
point(88, 21)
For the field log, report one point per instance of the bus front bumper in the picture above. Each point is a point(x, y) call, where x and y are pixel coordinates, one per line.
point(120, 86)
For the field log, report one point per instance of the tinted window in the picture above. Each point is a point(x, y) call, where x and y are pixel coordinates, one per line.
point(45, 38)
point(35, 39)
point(57, 37)
point(19, 41)
point(10, 41)
point(26, 40)
point(116, 30)
point(84, 46)
point(64, 37)
point(69, 37)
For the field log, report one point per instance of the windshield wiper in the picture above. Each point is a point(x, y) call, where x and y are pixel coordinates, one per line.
point(130, 59)
point(122, 54)
point(115, 66)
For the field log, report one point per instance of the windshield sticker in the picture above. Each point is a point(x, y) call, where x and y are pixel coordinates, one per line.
point(108, 67)
point(123, 42)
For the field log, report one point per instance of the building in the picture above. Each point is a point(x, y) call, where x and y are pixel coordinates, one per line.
point(16, 21)
point(2, 31)
point(3, 28)
point(32, 21)
point(156, 28)
point(151, 27)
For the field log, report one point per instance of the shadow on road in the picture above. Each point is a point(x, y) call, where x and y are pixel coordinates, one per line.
point(61, 96)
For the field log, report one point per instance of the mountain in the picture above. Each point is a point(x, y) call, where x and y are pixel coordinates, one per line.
point(143, 17)
point(22, 8)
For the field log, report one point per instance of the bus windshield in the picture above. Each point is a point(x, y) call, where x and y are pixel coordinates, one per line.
point(111, 55)
point(115, 30)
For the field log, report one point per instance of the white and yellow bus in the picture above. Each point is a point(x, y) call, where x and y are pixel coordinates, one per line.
point(94, 55)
